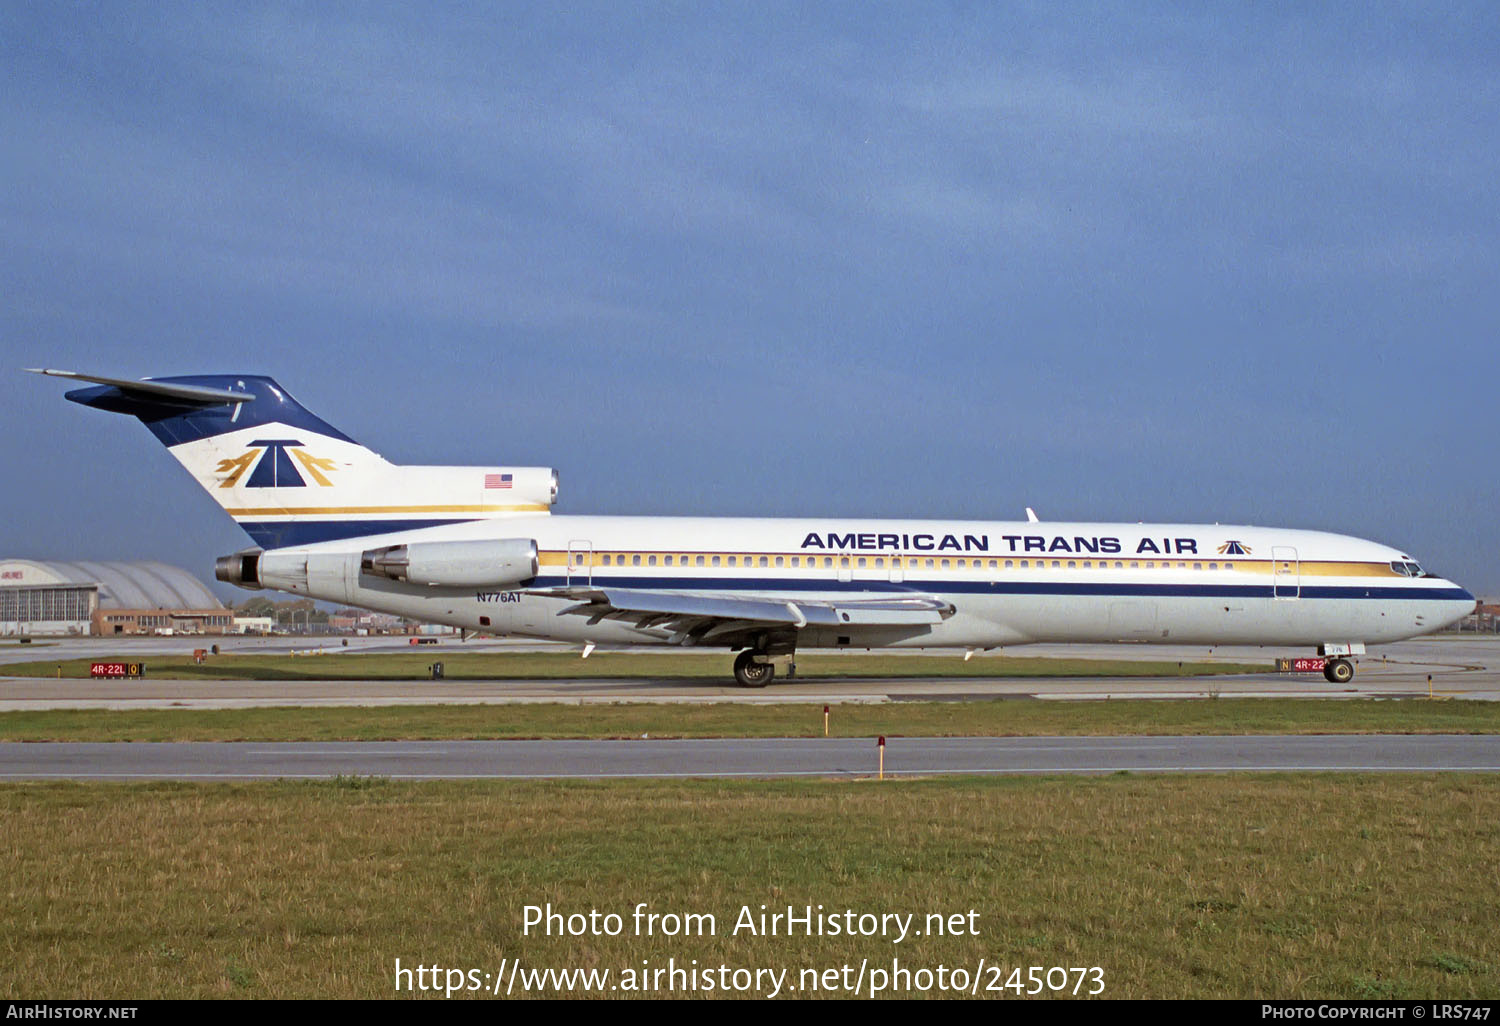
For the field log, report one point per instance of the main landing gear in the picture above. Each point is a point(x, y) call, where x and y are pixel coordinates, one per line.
point(1338, 671)
point(751, 674)
point(763, 652)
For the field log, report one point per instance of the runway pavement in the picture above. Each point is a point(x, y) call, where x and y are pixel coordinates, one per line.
point(1458, 667)
point(1466, 668)
point(766, 757)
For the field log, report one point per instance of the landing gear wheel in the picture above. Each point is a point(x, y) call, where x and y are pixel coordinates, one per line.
point(751, 674)
point(1338, 671)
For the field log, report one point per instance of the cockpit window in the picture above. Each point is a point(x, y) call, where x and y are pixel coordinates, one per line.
point(1405, 568)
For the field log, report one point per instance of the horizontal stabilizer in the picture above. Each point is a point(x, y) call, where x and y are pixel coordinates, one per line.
point(179, 394)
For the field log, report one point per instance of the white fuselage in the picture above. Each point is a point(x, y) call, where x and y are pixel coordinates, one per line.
point(476, 547)
point(1009, 583)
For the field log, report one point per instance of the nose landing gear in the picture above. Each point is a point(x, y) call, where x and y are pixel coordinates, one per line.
point(1338, 671)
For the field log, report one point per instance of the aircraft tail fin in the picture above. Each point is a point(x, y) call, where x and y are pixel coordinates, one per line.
point(288, 477)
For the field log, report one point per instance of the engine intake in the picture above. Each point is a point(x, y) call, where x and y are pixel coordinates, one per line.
point(457, 564)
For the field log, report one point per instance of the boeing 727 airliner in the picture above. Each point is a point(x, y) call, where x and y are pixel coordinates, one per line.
point(479, 548)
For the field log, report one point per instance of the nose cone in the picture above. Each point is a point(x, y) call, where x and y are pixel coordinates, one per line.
point(1457, 603)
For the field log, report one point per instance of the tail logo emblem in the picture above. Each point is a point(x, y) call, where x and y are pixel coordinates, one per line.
point(1234, 548)
point(275, 466)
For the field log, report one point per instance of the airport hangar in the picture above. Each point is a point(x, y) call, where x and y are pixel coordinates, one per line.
point(45, 597)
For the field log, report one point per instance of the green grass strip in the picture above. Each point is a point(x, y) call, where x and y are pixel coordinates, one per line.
point(1005, 718)
point(1297, 886)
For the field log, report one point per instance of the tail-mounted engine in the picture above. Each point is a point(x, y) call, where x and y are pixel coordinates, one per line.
point(241, 568)
point(455, 564)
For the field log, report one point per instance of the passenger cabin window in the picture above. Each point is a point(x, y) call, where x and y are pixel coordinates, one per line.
point(716, 561)
point(635, 560)
point(650, 560)
point(698, 561)
point(762, 561)
point(779, 562)
point(734, 560)
point(606, 559)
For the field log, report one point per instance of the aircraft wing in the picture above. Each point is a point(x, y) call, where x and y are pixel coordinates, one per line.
point(697, 616)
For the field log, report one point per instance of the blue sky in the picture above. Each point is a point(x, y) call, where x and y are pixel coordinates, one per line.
point(1226, 263)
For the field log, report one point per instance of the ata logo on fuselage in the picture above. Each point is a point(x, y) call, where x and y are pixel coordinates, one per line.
point(1234, 548)
point(275, 462)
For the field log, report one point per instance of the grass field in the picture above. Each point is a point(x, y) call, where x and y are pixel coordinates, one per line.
point(910, 719)
point(1376, 886)
point(336, 664)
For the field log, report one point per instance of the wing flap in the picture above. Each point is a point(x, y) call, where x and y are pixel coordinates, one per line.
point(699, 615)
point(640, 602)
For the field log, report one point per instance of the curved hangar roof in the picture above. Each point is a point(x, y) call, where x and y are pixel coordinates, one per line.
point(133, 585)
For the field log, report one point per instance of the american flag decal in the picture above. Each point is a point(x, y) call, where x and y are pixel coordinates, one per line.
point(497, 480)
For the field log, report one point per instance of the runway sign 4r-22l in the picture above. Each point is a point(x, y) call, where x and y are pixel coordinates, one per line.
point(117, 669)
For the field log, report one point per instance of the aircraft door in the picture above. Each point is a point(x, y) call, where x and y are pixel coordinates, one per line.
point(1286, 572)
point(580, 562)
